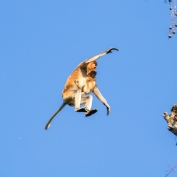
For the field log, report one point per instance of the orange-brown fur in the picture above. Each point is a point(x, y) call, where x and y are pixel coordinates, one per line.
point(81, 82)
point(86, 82)
point(90, 81)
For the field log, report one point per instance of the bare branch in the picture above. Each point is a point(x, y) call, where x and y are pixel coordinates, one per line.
point(172, 119)
point(171, 170)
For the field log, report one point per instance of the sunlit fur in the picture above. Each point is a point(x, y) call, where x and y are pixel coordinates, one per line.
point(81, 82)
point(86, 82)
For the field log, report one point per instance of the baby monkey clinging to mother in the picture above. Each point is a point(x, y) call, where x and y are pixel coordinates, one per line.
point(81, 82)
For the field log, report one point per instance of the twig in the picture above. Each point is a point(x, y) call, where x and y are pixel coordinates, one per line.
point(171, 170)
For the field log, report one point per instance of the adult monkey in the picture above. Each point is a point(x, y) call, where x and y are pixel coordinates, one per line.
point(81, 82)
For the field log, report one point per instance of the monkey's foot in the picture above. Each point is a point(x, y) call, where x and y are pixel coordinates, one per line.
point(81, 110)
point(89, 113)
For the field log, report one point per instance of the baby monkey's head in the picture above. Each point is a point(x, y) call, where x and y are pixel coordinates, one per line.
point(91, 69)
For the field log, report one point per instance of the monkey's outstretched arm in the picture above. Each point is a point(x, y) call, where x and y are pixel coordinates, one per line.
point(101, 98)
point(58, 110)
point(99, 55)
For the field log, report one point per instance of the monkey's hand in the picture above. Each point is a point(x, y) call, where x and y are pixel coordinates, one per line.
point(110, 50)
point(108, 109)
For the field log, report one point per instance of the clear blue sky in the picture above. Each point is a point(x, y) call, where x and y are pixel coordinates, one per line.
point(41, 42)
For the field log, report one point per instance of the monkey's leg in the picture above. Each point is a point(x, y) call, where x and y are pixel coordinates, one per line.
point(88, 104)
point(87, 100)
point(77, 101)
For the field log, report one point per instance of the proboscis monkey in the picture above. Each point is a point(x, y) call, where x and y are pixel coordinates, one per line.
point(81, 82)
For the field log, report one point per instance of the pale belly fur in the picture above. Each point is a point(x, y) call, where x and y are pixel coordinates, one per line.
point(89, 86)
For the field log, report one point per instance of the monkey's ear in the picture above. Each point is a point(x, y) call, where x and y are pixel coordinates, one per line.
point(100, 55)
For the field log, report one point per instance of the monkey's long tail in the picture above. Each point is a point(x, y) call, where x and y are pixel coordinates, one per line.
point(58, 110)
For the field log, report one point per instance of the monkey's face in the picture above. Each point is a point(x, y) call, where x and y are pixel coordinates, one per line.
point(91, 69)
point(92, 74)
